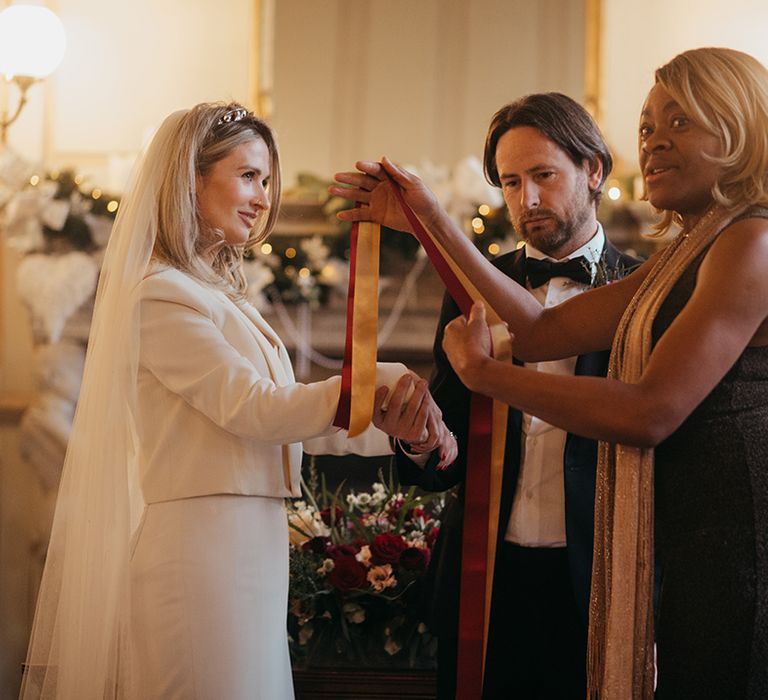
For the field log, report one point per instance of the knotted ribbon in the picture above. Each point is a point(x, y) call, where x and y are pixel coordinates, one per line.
point(487, 433)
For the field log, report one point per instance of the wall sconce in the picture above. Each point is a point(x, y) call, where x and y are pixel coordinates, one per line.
point(32, 44)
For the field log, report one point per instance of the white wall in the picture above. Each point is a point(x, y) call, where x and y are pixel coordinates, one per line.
point(128, 65)
point(641, 36)
point(413, 80)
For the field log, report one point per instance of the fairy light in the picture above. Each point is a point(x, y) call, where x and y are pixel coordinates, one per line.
point(112, 206)
point(96, 194)
point(304, 272)
point(290, 253)
point(34, 180)
point(494, 249)
point(266, 248)
point(483, 210)
point(614, 193)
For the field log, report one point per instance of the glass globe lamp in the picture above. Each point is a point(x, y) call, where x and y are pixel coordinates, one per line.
point(32, 45)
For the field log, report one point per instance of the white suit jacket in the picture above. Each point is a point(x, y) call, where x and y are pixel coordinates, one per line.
point(219, 409)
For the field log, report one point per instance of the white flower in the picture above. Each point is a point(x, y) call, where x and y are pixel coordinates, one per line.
point(306, 523)
point(317, 252)
point(363, 500)
point(470, 188)
point(417, 541)
point(259, 276)
point(334, 273)
point(378, 498)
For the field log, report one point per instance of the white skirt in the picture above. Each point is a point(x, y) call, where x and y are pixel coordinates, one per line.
point(209, 592)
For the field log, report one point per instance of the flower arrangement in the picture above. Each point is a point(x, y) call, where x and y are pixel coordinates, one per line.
point(357, 569)
point(305, 272)
point(57, 213)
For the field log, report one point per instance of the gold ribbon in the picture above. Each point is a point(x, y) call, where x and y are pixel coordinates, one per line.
point(365, 327)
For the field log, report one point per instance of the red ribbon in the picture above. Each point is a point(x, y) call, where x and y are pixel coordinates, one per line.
point(478, 532)
point(473, 602)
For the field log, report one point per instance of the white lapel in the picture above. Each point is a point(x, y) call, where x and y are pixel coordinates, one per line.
point(271, 346)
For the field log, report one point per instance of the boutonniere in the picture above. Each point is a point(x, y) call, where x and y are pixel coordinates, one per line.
point(603, 273)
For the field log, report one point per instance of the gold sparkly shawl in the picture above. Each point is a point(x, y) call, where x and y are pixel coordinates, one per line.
point(621, 656)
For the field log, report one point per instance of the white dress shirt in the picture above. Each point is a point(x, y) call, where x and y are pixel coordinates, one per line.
point(538, 509)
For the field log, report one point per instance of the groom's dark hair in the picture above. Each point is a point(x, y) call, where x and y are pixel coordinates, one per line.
point(562, 120)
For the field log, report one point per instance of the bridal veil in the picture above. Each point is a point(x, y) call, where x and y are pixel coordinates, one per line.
point(79, 648)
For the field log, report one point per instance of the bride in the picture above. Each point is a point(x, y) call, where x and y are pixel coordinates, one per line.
point(167, 572)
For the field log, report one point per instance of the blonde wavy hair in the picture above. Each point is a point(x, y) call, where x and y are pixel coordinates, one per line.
point(726, 93)
point(184, 240)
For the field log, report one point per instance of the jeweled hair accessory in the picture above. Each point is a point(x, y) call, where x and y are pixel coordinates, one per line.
point(234, 115)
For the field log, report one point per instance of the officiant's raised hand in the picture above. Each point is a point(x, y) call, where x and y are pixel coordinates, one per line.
point(409, 414)
point(371, 187)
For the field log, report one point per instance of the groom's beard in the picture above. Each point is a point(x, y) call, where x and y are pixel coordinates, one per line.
point(556, 230)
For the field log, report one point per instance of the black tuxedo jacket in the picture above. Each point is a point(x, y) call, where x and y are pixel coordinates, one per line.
point(579, 463)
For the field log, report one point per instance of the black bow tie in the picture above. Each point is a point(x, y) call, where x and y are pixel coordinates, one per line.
point(540, 272)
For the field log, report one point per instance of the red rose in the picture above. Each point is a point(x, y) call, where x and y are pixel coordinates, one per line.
point(386, 549)
point(337, 551)
point(414, 559)
point(348, 574)
point(318, 545)
point(325, 514)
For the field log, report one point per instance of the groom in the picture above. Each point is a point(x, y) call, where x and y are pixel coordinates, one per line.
point(549, 158)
